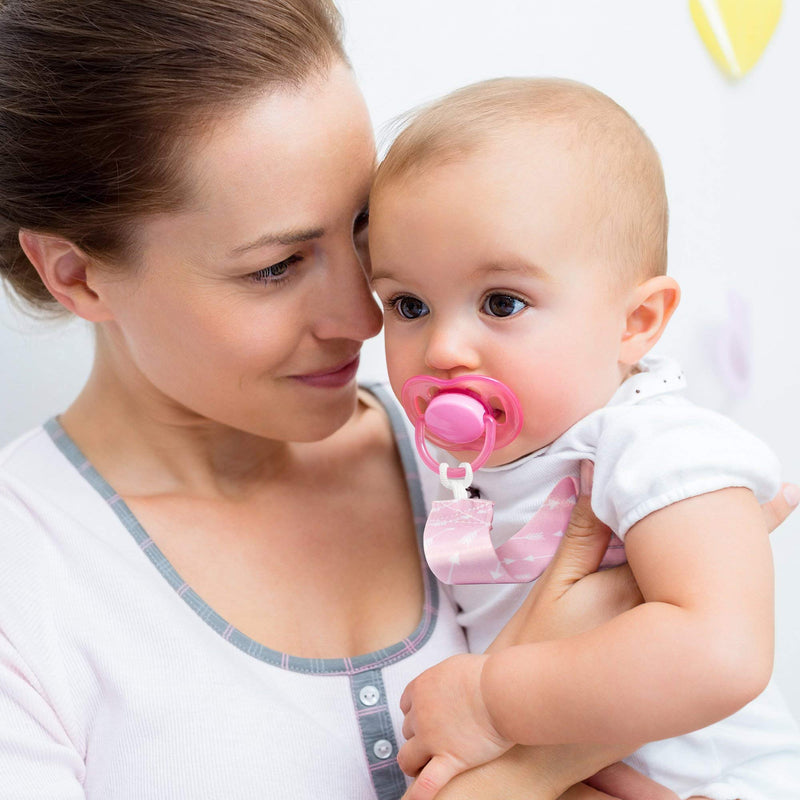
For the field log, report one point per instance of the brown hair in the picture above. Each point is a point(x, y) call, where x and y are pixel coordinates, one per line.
point(631, 215)
point(98, 97)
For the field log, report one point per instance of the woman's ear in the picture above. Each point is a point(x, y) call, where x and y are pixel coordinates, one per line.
point(649, 310)
point(63, 269)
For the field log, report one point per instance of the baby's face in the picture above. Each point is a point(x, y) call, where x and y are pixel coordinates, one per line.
point(487, 266)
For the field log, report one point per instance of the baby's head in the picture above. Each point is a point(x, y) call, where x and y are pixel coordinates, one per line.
point(518, 230)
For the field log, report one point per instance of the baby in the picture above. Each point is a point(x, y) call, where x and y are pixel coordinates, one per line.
point(518, 231)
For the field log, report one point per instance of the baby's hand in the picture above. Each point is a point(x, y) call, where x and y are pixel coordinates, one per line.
point(447, 727)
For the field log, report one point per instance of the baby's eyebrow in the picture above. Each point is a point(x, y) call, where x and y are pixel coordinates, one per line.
point(510, 268)
point(513, 268)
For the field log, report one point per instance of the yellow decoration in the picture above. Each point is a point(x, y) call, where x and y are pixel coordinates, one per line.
point(736, 32)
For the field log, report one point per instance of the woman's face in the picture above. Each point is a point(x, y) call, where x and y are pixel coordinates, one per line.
point(250, 308)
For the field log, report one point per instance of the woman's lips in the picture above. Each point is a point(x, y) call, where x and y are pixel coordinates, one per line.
point(331, 379)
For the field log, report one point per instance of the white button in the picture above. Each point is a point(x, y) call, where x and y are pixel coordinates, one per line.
point(369, 695)
point(383, 748)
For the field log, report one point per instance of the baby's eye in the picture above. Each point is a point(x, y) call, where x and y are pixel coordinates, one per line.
point(502, 305)
point(408, 306)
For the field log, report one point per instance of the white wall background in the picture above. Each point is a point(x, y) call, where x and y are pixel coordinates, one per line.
point(733, 171)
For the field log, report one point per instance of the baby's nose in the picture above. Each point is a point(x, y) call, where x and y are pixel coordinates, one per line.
point(451, 347)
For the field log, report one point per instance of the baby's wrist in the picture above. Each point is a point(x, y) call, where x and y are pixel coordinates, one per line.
point(490, 698)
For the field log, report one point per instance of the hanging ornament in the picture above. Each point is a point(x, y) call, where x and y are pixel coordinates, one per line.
point(735, 32)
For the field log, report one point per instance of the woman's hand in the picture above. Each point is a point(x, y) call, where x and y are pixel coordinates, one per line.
point(551, 773)
point(786, 501)
point(570, 597)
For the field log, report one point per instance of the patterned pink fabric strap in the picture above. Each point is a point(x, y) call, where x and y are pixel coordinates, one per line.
point(459, 549)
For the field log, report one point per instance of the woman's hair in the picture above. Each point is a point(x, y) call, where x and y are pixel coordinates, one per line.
point(98, 99)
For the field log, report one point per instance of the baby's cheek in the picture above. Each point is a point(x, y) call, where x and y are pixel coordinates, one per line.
point(401, 364)
point(552, 402)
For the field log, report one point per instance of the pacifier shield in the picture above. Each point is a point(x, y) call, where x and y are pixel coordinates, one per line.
point(453, 410)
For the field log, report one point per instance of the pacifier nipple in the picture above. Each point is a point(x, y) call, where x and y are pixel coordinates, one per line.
point(455, 417)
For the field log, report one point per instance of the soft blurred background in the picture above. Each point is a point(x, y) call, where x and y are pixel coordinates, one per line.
point(729, 147)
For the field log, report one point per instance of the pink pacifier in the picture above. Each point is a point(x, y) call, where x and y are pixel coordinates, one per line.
point(472, 412)
point(479, 413)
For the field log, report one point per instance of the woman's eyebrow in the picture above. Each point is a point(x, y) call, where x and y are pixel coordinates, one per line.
point(284, 238)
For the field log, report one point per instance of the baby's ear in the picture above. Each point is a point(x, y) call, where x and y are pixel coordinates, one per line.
point(62, 268)
point(651, 305)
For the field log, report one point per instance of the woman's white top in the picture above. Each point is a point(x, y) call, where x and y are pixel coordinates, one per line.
point(117, 682)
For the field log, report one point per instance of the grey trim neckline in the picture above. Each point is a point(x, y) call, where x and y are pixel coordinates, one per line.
point(319, 666)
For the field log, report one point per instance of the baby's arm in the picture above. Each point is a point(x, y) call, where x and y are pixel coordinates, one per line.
point(568, 598)
point(699, 649)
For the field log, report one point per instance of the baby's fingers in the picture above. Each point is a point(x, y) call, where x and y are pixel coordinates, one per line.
point(405, 698)
point(436, 773)
point(408, 727)
point(413, 756)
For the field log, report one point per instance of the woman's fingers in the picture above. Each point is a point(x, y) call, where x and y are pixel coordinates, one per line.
point(620, 780)
point(781, 505)
point(583, 792)
point(570, 597)
point(585, 540)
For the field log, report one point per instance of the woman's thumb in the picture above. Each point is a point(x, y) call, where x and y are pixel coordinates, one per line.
point(585, 539)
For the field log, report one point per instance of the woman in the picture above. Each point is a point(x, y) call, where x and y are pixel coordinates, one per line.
point(192, 178)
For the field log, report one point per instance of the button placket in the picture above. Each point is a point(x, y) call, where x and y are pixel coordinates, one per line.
point(369, 695)
point(377, 733)
point(383, 748)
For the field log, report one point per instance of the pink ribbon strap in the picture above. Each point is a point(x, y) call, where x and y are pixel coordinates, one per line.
point(459, 549)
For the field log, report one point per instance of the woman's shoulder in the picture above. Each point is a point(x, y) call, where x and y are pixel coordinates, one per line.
point(21, 443)
point(379, 414)
point(28, 469)
point(372, 430)
point(395, 430)
point(38, 482)
point(26, 459)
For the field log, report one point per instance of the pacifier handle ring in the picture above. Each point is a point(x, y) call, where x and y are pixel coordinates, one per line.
point(457, 472)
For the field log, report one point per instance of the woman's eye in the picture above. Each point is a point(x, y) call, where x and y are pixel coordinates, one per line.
point(361, 221)
point(503, 305)
point(276, 273)
point(360, 229)
point(409, 307)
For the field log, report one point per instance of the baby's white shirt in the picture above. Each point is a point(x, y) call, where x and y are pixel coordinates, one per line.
point(651, 447)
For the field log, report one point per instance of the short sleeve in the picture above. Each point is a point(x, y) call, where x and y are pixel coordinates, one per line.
point(38, 759)
point(654, 454)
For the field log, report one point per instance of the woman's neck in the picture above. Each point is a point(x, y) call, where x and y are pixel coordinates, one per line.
point(144, 443)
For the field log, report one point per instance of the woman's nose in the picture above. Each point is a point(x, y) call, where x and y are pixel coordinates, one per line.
point(351, 311)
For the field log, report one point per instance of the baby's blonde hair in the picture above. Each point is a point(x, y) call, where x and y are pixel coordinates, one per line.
point(629, 200)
